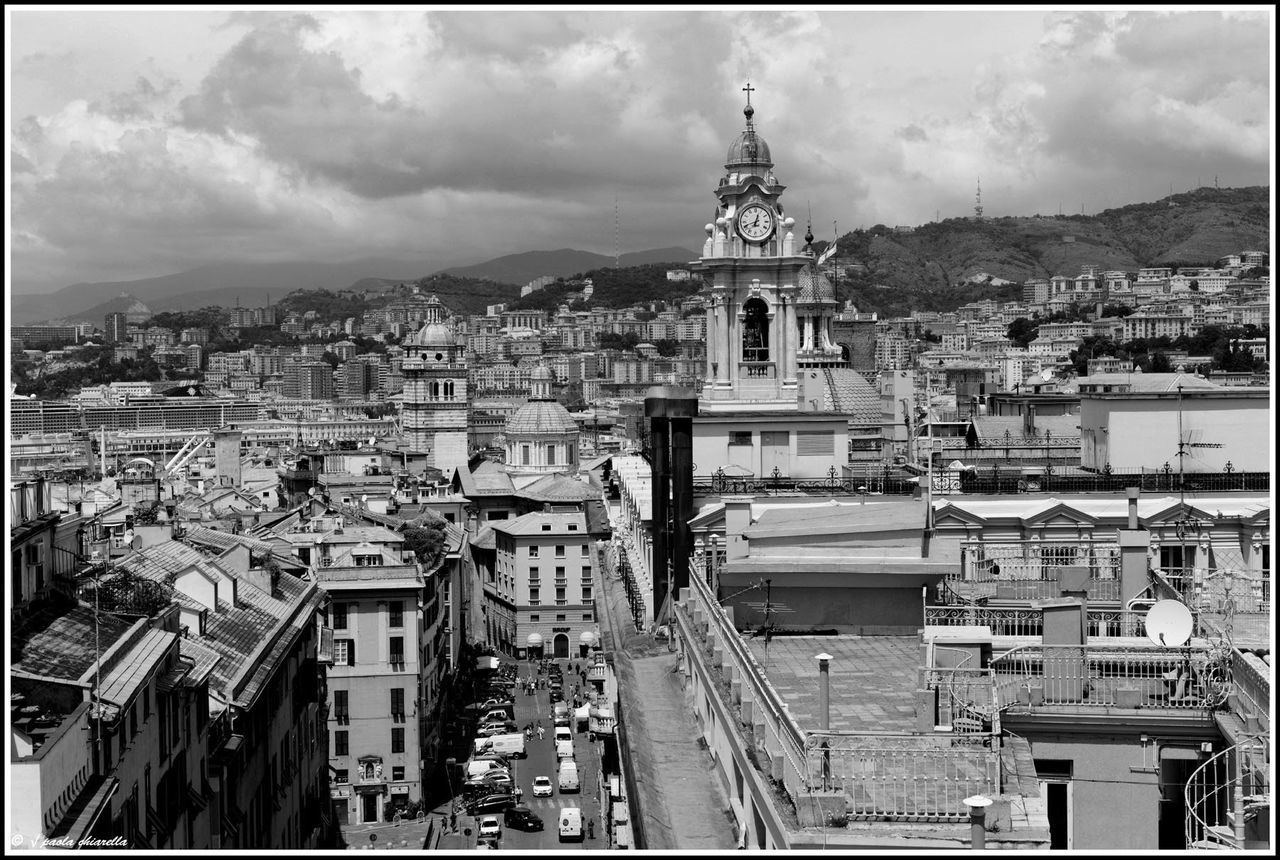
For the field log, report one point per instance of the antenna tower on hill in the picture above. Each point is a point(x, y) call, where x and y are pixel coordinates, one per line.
point(977, 206)
point(617, 236)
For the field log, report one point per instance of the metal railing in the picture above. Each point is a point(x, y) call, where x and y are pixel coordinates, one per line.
point(1104, 676)
point(917, 778)
point(1030, 622)
point(967, 702)
point(1252, 686)
point(885, 775)
point(1228, 798)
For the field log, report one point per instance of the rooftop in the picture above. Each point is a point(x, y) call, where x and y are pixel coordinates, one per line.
point(873, 679)
point(57, 641)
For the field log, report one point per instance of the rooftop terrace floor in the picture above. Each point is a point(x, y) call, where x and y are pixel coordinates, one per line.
point(873, 679)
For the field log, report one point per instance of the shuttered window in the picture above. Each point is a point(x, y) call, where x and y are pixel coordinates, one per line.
point(815, 443)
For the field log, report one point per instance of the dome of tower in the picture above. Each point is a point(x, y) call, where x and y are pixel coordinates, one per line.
point(814, 288)
point(749, 148)
point(541, 373)
point(434, 334)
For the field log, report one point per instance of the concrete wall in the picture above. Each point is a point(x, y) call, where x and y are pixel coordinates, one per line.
point(1113, 807)
point(712, 451)
point(1141, 432)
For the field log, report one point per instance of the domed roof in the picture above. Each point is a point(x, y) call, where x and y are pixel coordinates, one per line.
point(814, 287)
point(538, 418)
point(748, 148)
point(541, 373)
point(434, 334)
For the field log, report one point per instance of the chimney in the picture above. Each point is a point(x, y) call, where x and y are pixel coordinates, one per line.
point(737, 518)
point(1133, 506)
point(1029, 420)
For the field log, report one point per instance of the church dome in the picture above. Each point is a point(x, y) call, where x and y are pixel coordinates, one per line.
point(434, 334)
point(540, 418)
point(541, 373)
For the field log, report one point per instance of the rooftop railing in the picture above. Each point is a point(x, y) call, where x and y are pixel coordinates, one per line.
point(894, 776)
point(1030, 622)
point(1089, 676)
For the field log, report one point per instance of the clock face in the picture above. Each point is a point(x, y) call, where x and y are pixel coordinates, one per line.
point(755, 223)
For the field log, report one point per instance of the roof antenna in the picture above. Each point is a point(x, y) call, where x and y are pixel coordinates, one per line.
point(617, 241)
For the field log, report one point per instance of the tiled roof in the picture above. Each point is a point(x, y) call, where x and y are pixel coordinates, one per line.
point(132, 669)
point(532, 524)
point(848, 392)
point(58, 641)
point(203, 658)
point(558, 488)
point(1150, 382)
point(302, 613)
point(234, 633)
point(224, 540)
point(486, 479)
point(485, 538)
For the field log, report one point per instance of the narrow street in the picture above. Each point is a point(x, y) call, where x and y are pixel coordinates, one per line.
point(541, 761)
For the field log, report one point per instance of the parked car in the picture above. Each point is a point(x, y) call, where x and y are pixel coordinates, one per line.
point(493, 777)
point(491, 826)
point(496, 802)
point(494, 702)
point(479, 788)
point(495, 728)
point(522, 818)
point(542, 786)
point(557, 695)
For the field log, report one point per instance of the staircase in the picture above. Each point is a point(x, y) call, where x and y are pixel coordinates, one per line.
point(1228, 799)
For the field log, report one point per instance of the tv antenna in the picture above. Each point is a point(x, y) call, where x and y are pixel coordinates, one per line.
point(617, 234)
point(977, 206)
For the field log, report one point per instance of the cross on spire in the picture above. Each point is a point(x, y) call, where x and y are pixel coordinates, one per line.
point(748, 89)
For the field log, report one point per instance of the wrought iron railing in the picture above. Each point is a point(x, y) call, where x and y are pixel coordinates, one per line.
point(887, 778)
point(1106, 676)
point(1228, 798)
point(1030, 622)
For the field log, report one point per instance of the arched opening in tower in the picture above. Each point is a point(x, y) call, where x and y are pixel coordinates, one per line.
point(755, 330)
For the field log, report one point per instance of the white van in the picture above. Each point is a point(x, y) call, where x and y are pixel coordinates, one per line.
point(571, 824)
point(568, 777)
point(564, 733)
point(509, 745)
point(479, 767)
point(564, 749)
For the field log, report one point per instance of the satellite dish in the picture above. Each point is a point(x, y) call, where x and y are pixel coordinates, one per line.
point(1169, 623)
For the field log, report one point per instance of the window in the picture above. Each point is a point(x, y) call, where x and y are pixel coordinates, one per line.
point(586, 592)
point(562, 617)
point(586, 551)
point(341, 777)
point(339, 616)
point(559, 552)
point(533, 551)
point(344, 652)
point(560, 598)
point(586, 574)
point(551, 455)
point(340, 712)
point(535, 595)
point(397, 613)
point(534, 617)
point(397, 649)
point(524, 455)
point(340, 743)
point(814, 443)
point(740, 437)
point(586, 616)
point(534, 574)
point(397, 740)
point(397, 772)
point(397, 703)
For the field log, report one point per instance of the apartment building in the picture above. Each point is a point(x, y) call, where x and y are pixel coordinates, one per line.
point(545, 560)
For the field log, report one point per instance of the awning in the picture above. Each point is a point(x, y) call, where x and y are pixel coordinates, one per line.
point(534, 640)
point(586, 638)
point(487, 664)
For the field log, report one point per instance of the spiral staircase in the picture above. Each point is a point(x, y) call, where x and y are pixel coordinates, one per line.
point(1228, 799)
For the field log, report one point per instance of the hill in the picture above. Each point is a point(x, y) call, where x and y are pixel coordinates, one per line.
point(894, 273)
point(531, 265)
point(220, 284)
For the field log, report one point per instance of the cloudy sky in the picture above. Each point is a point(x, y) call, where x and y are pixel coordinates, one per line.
point(147, 142)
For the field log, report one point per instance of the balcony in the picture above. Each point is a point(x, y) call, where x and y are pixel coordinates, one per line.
point(1109, 676)
point(1011, 622)
point(1233, 601)
point(757, 369)
point(1034, 570)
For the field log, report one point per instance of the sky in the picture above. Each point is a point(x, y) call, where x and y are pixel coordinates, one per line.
point(146, 142)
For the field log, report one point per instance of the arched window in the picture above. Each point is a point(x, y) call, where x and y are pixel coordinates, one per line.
point(755, 330)
point(435, 390)
point(551, 454)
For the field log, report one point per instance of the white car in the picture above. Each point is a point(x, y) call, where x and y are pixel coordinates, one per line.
point(490, 826)
point(542, 786)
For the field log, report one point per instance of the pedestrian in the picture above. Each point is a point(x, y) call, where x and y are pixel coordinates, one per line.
point(591, 829)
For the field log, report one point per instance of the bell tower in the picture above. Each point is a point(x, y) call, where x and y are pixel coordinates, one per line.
point(751, 261)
